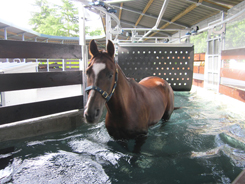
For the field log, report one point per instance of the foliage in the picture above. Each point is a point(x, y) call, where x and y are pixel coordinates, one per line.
point(70, 20)
point(47, 21)
point(235, 35)
point(95, 32)
point(200, 42)
point(58, 20)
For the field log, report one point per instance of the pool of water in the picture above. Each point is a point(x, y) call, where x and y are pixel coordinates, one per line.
point(202, 143)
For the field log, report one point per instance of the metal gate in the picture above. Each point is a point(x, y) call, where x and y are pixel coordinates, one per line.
point(173, 63)
point(212, 64)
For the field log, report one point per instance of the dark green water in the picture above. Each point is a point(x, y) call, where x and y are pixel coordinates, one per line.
point(202, 143)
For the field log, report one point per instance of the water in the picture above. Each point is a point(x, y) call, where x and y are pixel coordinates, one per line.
point(202, 143)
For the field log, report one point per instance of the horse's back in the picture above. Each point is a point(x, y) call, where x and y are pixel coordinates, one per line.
point(160, 92)
point(152, 82)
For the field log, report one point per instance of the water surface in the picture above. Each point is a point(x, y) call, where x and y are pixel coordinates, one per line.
point(202, 143)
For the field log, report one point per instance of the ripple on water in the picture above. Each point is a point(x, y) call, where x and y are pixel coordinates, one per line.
point(202, 143)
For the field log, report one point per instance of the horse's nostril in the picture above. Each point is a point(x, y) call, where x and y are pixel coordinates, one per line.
point(97, 112)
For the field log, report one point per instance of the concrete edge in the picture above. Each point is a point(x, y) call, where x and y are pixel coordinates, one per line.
point(41, 126)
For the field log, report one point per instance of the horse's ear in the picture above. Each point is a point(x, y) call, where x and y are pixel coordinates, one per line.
point(93, 49)
point(110, 48)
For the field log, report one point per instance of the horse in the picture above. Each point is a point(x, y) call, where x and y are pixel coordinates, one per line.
point(131, 107)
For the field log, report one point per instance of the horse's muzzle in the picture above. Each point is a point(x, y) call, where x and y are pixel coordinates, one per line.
point(92, 116)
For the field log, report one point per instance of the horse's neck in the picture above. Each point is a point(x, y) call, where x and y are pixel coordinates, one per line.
point(120, 99)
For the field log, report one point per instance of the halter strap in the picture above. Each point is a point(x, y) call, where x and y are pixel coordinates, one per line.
point(104, 94)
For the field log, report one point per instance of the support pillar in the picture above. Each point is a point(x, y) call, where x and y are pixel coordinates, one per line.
point(108, 28)
point(84, 60)
point(23, 39)
point(5, 38)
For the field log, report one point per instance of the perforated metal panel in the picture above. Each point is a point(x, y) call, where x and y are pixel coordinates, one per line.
point(174, 64)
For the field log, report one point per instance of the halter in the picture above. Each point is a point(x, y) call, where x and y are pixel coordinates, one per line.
point(104, 94)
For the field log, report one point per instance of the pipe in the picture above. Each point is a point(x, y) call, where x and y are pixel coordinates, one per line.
point(147, 29)
point(164, 6)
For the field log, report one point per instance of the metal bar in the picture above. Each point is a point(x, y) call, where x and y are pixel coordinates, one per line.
point(164, 6)
point(181, 14)
point(147, 29)
point(108, 28)
point(154, 45)
point(158, 20)
point(131, 24)
point(82, 42)
point(23, 39)
point(222, 22)
point(5, 38)
point(5, 34)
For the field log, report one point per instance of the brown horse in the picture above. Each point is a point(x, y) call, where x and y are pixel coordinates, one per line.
point(131, 107)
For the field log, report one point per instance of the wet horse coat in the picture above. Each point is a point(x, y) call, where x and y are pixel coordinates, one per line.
point(132, 107)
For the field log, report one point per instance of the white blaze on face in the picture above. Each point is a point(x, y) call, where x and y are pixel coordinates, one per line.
point(97, 67)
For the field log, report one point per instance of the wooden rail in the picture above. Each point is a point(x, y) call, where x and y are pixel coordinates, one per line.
point(20, 49)
point(20, 81)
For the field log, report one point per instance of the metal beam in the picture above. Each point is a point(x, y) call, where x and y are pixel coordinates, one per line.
point(108, 28)
point(164, 6)
point(143, 12)
point(149, 15)
point(132, 24)
point(181, 14)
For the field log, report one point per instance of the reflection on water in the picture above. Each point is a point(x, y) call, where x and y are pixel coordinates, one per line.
point(202, 143)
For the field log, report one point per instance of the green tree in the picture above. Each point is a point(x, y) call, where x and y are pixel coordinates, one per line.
point(96, 32)
point(200, 42)
point(70, 20)
point(47, 21)
point(56, 20)
point(235, 34)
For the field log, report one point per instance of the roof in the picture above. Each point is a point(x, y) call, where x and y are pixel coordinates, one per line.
point(178, 15)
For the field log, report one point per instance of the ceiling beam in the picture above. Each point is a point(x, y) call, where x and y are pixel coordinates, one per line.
point(181, 14)
point(149, 15)
point(210, 4)
point(120, 11)
point(103, 22)
point(143, 12)
point(215, 5)
point(116, 1)
point(132, 24)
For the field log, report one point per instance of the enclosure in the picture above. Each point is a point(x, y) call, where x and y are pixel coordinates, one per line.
point(44, 138)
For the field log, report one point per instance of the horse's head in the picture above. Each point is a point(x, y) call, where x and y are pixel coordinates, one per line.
point(101, 79)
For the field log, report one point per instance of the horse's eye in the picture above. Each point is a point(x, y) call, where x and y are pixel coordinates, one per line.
point(110, 76)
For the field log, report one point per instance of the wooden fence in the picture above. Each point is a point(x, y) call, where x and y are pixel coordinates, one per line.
point(20, 81)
